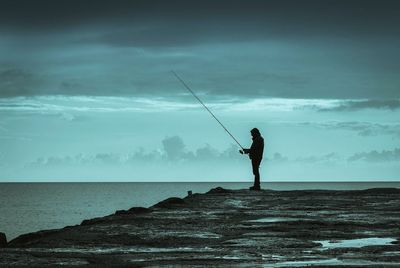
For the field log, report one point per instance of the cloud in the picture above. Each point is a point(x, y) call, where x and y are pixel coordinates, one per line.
point(140, 155)
point(228, 48)
point(356, 105)
point(16, 82)
point(173, 150)
point(364, 129)
point(323, 159)
point(376, 156)
point(67, 116)
point(207, 152)
point(79, 159)
point(50, 104)
point(173, 147)
point(280, 17)
point(278, 157)
point(73, 104)
point(330, 158)
point(334, 158)
point(128, 83)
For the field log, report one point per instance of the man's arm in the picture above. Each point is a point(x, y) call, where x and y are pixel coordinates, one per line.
point(255, 146)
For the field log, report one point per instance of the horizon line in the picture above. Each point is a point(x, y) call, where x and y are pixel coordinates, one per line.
point(353, 181)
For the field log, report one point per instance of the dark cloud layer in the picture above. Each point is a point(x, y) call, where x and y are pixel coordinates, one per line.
point(306, 15)
point(230, 48)
point(178, 23)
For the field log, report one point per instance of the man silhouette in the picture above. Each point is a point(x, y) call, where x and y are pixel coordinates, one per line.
point(255, 153)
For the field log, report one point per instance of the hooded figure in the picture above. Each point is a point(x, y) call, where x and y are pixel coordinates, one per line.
point(255, 153)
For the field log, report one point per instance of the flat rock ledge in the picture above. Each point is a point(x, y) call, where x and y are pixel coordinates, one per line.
point(227, 228)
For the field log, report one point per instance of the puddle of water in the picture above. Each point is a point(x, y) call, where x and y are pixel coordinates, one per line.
point(272, 257)
point(307, 263)
point(235, 203)
point(203, 235)
point(333, 262)
point(356, 243)
point(228, 257)
point(390, 253)
point(73, 263)
point(274, 219)
point(111, 250)
point(206, 235)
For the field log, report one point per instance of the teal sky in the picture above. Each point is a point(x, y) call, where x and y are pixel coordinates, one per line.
point(89, 96)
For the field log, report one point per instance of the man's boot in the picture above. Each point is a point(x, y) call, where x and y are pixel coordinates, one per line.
point(255, 188)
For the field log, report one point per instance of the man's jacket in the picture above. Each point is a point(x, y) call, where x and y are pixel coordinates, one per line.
point(257, 148)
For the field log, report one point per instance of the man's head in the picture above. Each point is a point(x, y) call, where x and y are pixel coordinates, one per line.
point(255, 132)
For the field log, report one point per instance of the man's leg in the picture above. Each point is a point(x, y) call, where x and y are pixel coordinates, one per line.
point(256, 165)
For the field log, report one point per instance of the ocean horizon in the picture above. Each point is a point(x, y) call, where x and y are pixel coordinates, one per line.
point(33, 206)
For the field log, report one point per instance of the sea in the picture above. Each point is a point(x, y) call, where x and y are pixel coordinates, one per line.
point(30, 207)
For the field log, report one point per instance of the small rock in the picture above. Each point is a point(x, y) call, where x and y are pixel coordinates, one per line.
point(219, 190)
point(3, 240)
point(121, 212)
point(170, 202)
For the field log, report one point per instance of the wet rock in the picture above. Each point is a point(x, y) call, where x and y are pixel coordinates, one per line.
point(3, 240)
point(134, 210)
point(139, 210)
point(93, 221)
point(192, 196)
point(170, 202)
point(121, 212)
point(219, 190)
point(227, 228)
point(382, 191)
point(27, 239)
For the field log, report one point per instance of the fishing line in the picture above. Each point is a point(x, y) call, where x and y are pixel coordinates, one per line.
point(194, 95)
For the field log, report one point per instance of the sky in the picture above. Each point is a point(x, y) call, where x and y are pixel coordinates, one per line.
point(87, 93)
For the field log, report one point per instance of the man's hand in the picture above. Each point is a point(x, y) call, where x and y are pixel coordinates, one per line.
point(244, 151)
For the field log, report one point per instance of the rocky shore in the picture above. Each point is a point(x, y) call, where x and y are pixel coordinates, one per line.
point(227, 228)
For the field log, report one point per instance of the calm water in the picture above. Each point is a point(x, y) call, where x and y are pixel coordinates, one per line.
point(29, 207)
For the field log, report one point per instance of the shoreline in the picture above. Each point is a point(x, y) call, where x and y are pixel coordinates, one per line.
point(228, 227)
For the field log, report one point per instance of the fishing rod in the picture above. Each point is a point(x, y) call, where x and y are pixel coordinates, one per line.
point(194, 95)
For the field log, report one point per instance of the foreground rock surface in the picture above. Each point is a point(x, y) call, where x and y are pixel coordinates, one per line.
point(229, 228)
